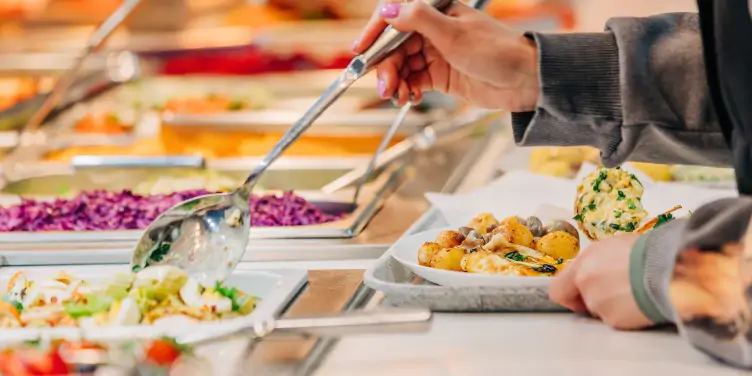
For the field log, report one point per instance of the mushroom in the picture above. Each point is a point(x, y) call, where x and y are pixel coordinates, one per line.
point(562, 226)
point(535, 226)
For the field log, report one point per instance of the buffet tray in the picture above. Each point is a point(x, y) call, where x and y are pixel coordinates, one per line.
point(277, 289)
point(400, 287)
point(357, 217)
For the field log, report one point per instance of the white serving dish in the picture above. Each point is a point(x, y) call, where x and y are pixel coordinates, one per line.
point(274, 288)
point(406, 249)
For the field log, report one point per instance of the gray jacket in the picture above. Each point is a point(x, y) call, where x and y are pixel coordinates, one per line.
point(638, 92)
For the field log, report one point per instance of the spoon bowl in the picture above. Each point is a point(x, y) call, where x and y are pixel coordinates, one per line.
point(206, 236)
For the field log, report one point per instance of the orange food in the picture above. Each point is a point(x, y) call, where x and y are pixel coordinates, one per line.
point(210, 104)
point(13, 279)
point(162, 352)
point(105, 122)
point(9, 310)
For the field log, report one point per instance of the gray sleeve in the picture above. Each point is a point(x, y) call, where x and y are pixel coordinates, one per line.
point(637, 92)
point(693, 273)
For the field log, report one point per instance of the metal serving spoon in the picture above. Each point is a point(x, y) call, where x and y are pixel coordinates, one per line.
point(207, 235)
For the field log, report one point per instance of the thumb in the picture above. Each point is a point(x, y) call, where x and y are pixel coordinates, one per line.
point(422, 18)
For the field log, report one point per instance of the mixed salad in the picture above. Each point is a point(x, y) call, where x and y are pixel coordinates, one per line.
point(58, 357)
point(141, 298)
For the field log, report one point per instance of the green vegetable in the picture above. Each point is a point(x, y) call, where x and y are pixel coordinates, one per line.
point(166, 281)
point(17, 305)
point(578, 218)
point(622, 196)
point(630, 227)
point(516, 256)
point(119, 286)
point(591, 206)
point(618, 213)
point(246, 304)
point(559, 261)
point(631, 205)
point(236, 105)
point(615, 226)
point(228, 292)
point(634, 178)
point(601, 177)
point(95, 303)
point(663, 219)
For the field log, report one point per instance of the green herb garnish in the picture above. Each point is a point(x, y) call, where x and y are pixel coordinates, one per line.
point(618, 213)
point(559, 261)
point(621, 195)
point(630, 227)
point(160, 252)
point(634, 178)
point(663, 219)
point(228, 292)
point(236, 105)
point(516, 256)
point(17, 305)
point(601, 177)
point(591, 206)
point(631, 205)
point(578, 218)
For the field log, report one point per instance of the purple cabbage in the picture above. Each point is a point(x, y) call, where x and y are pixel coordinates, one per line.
point(104, 210)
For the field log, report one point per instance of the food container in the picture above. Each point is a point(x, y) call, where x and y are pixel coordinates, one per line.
point(274, 288)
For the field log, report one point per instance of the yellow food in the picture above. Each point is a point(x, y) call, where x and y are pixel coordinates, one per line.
point(609, 202)
point(559, 244)
point(426, 253)
point(515, 232)
point(481, 222)
point(448, 259)
point(559, 169)
point(657, 172)
point(509, 249)
point(483, 262)
point(449, 239)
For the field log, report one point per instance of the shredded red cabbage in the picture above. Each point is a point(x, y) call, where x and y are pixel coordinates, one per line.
point(104, 210)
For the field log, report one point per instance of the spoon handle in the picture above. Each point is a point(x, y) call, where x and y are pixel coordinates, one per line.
point(391, 320)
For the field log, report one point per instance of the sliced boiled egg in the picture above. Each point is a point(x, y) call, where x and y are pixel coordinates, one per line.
point(195, 296)
point(125, 312)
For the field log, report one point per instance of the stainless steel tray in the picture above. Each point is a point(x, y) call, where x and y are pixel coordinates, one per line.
point(398, 286)
point(357, 217)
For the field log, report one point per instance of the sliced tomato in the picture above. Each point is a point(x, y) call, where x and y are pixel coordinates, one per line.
point(162, 353)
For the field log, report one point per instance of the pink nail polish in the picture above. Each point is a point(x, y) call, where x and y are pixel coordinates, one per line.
point(355, 44)
point(381, 87)
point(390, 10)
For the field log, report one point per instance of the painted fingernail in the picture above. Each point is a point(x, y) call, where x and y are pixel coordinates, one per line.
point(390, 10)
point(355, 44)
point(381, 87)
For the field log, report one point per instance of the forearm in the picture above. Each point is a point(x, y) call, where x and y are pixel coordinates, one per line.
point(692, 272)
point(636, 91)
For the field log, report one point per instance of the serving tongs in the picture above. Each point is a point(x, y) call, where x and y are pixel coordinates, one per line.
point(96, 40)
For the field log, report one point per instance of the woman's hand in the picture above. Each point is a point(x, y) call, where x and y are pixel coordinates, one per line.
point(597, 283)
point(464, 53)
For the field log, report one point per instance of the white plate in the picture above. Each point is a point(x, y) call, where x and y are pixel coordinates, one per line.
point(274, 288)
point(405, 251)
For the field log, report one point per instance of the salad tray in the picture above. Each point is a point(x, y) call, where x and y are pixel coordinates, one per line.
point(398, 286)
point(276, 290)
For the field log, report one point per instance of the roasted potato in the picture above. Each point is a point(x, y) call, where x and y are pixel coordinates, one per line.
point(515, 232)
point(559, 244)
point(449, 239)
point(482, 222)
point(448, 259)
point(426, 253)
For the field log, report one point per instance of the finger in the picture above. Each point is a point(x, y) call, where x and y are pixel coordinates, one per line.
point(564, 291)
point(388, 73)
point(372, 30)
point(416, 63)
point(422, 18)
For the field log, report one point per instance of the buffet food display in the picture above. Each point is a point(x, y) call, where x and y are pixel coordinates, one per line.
point(514, 247)
point(566, 161)
point(68, 357)
point(152, 294)
point(103, 210)
point(608, 202)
